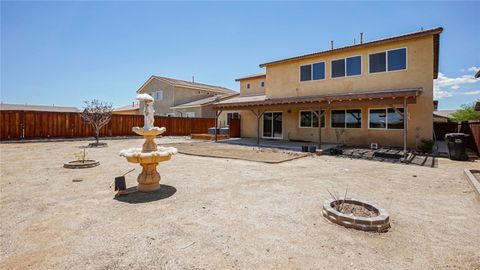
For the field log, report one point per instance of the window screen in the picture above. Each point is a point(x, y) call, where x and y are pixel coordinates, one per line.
point(338, 118)
point(319, 71)
point(305, 73)
point(377, 62)
point(354, 66)
point(338, 68)
point(397, 59)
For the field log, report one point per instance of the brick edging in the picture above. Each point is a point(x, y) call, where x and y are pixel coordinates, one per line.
point(379, 223)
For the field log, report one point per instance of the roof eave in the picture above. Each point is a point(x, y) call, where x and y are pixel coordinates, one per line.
point(435, 31)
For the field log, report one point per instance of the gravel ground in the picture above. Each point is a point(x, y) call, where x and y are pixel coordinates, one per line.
point(211, 149)
point(222, 213)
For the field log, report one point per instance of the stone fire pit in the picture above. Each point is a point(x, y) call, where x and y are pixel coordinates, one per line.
point(357, 215)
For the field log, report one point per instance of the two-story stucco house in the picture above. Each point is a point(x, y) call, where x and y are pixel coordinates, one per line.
point(170, 94)
point(378, 91)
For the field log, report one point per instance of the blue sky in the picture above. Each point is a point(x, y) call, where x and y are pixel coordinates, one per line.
point(65, 52)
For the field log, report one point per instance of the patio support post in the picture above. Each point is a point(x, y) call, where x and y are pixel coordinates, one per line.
point(319, 115)
point(258, 114)
point(405, 124)
point(217, 113)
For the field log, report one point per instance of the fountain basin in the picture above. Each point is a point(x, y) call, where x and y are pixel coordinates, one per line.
point(154, 131)
point(137, 155)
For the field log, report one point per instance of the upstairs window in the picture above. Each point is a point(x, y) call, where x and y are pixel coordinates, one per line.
point(262, 84)
point(397, 59)
point(354, 66)
point(338, 68)
point(158, 95)
point(318, 71)
point(351, 118)
point(314, 71)
point(350, 66)
point(248, 86)
point(306, 73)
point(391, 60)
point(308, 119)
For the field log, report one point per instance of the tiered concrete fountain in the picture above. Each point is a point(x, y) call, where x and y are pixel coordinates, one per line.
point(150, 154)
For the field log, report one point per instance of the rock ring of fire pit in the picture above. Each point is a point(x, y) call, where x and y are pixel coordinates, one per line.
point(380, 222)
point(79, 164)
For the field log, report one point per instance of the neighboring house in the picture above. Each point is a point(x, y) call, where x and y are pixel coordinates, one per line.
point(169, 93)
point(477, 106)
point(129, 109)
point(37, 108)
point(203, 108)
point(443, 116)
point(361, 90)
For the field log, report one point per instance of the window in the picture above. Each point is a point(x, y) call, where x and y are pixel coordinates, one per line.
point(350, 66)
point(308, 119)
point(190, 114)
point(354, 66)
point(338, 68)
point(378, 62)
point(158, 95)
point(395, 119)
point(262, 84)
point(232, 115)
point(351, 118)
point(397, 59)
point(314, 71)
point(391, 60)
point(318, 72)
point(248, 86)
point(305, 73)
point(386, 118)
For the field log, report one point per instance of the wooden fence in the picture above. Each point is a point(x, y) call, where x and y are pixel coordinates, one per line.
point(470, 128)
point(17, 125)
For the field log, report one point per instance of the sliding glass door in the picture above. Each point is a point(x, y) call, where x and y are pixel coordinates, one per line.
point(272, 125)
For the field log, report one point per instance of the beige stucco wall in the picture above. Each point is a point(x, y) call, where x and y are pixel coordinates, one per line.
point(129, 112)
point(172, 95)
point(183, 112)
point(255, 86)
point(283, 81)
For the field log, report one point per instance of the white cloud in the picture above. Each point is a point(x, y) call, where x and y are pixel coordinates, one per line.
point(471, 93)
point(474, 69)
point(445, 86)
point(440, 94)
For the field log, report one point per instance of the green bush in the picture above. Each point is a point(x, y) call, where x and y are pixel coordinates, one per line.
point(426, 145)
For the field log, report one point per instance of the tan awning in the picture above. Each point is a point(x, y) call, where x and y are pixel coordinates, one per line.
point(367, 97)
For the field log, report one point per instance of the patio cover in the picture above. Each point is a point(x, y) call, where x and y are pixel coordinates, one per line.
point(327, 100)
point(259, 103)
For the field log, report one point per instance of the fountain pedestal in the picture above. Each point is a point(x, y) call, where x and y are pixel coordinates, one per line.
point(148, 156)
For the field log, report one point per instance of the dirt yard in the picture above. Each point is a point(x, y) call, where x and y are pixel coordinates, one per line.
point(217, 213)
point(211, 149)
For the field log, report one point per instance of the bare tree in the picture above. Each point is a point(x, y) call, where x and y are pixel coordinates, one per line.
point(98, 114)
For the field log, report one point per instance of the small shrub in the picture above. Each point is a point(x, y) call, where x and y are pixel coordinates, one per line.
point(81, 156)
point(426, 145)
